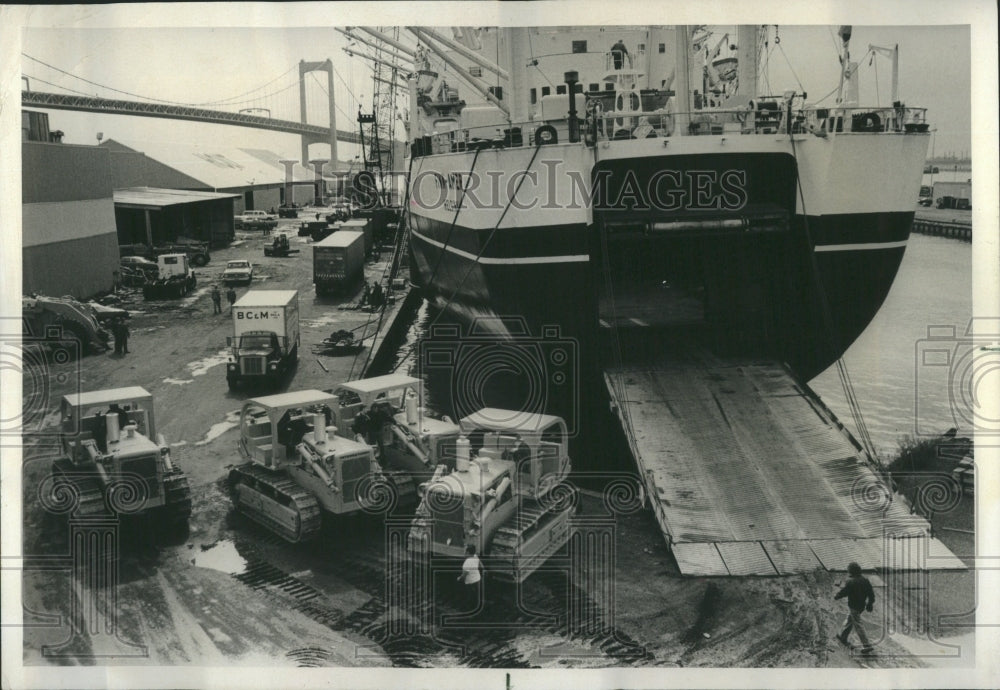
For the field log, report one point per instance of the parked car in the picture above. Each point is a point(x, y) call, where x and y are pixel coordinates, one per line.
point(238, 271)
point(255, 220)
point(197, 252)
point(140, 264)
point(288, 212)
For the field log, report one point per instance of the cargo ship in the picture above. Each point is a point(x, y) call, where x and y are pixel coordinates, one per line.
point(637, 177)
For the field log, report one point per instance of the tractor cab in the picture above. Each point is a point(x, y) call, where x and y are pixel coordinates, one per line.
point(110, 450)
point(116, 424)
point(294, 432)
point(387, 413)
point(535, 446)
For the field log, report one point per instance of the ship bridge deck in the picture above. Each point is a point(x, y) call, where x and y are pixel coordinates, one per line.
point(748, 472)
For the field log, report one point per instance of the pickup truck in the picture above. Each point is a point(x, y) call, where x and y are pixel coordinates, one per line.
point(238, 271)
point(256, 220)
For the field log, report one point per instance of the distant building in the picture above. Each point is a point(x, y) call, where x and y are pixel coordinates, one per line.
point(69, 245)
point(957, 189)
point(255, 176)
point(147, 215)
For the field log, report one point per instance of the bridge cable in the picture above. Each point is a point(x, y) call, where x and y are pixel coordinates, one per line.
point(150, 98)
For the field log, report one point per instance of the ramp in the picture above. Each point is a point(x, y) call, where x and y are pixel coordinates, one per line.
point(749, 473)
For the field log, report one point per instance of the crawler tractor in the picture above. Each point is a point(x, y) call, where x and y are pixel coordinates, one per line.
point(296, 464)
point(109, 463)
point(501, 495)
point(385, 412)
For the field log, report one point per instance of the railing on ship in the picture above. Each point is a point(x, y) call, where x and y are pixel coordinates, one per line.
point(769, 118)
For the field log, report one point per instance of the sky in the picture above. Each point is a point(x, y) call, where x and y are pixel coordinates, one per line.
point(198, 64)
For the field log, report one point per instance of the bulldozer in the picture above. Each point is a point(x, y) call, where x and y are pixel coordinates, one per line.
point(76, 320)
point(501, 495)
point(110, 463)
point(386, 413)
point(306, 452)
point(296, 465)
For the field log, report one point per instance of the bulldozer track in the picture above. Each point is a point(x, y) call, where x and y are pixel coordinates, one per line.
point(291, 494)
point(177, 496)
point(548, 606)
point(507, 541)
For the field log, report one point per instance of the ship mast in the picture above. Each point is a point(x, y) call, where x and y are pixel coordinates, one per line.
point(746, 45)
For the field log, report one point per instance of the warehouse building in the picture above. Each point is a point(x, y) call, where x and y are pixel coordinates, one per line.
point(69, 244)
point(255, 176)
point(148, 215)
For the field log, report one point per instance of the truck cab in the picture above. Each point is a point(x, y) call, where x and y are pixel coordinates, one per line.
point(265, 341)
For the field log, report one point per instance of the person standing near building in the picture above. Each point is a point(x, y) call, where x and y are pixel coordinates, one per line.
point(231, 297)
point(124, 333)
point(860, 598)
point(471, 577)
point(216, 300)
point(116, 333)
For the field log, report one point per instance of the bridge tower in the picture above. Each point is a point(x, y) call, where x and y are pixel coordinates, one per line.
point(304, 68)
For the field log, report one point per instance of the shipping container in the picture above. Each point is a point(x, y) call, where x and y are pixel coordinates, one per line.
point(338, 261)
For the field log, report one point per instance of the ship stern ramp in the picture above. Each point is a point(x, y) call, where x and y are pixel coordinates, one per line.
point(749, 473)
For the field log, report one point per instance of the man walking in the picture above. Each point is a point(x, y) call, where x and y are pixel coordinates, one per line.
point(231, 297)
point(216, 300)
point(860, 597)
point(472, 575)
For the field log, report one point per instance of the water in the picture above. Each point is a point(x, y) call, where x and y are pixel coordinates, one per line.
point(898, 392)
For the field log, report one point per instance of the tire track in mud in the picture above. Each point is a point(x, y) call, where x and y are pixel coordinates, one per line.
point(409, 631)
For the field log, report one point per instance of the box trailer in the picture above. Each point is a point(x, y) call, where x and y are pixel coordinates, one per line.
point(265, 341)
point(338, 261)
point(363, 225)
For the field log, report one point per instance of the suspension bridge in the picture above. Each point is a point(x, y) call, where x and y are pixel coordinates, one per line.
point(215, 113)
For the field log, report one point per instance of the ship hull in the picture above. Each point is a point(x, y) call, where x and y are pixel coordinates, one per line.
point(804, 289)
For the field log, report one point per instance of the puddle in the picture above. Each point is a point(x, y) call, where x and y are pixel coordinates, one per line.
point(221, 556)
point(178, 382)
point(325, 320)
point(217, 430)
point(194, 296)
point(201, 366)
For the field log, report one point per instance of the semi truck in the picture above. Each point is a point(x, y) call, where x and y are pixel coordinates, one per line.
point(338, 261)
point(175, 278)
point(265, 341)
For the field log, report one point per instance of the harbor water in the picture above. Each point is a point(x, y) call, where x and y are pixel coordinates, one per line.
point(898, 394)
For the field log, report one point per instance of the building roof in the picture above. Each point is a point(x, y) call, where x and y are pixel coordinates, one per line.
point(155, 198)
point(218, 166)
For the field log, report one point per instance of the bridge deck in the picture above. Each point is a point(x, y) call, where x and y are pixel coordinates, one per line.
point(749, 473)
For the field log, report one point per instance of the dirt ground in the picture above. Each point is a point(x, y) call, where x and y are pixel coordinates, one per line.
point(228, 593)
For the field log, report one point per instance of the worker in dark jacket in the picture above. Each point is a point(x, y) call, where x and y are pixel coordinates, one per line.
point(860, 597)
point(619, 53)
